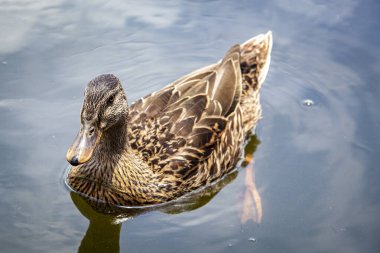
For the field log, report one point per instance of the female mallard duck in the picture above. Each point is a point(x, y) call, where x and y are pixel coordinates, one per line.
point(174, 140)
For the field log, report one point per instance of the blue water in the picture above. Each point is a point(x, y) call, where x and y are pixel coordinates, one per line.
point(316, 167)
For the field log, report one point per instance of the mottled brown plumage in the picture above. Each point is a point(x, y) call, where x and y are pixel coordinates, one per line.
point(172, 141)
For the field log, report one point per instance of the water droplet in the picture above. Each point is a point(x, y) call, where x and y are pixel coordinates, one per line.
point(252, 239)
point(308, 102)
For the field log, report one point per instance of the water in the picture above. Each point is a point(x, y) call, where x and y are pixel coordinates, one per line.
point(316, 167)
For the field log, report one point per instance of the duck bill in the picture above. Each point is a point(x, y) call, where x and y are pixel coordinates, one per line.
point(83, 147)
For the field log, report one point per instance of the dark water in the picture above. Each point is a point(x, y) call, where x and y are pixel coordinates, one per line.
point(316, 168)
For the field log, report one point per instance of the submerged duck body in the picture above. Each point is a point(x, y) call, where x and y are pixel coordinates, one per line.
point(172, 141)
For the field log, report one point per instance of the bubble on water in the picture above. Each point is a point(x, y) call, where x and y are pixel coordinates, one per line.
point(308, 102)
point(338, 229)
point(252, 239)
point(230, 245)
point(4, 62)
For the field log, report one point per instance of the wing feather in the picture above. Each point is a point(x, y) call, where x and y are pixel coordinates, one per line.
point(183, 122)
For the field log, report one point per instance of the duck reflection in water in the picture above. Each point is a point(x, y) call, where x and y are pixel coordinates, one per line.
point(103, 233)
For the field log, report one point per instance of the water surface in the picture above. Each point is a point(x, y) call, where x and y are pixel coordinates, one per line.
point(316, 167)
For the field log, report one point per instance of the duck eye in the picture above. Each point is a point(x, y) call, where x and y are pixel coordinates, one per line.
point(110, 99)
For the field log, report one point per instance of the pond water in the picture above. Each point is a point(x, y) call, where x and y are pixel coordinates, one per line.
point(316, 161)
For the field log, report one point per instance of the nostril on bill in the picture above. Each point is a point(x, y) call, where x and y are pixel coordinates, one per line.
point(91, 131)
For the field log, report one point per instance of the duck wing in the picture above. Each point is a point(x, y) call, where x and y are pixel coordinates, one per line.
point(179, 126)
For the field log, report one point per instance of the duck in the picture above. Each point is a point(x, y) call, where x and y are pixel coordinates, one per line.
point(173, 141)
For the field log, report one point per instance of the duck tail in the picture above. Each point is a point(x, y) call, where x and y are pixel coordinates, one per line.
point(255, 56)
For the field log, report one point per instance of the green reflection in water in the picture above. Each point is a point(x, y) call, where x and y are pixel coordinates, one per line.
point(102, 234)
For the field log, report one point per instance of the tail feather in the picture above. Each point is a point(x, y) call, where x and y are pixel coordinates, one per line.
point(254, 64)
point(255, 59)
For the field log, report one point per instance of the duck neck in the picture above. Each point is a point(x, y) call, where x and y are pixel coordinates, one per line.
point(115, 167)
point(113, 142)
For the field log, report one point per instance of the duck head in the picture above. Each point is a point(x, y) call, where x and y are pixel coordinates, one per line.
point(105, 106)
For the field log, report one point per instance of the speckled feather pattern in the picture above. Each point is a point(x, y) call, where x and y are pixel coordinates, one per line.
point(180, 138)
